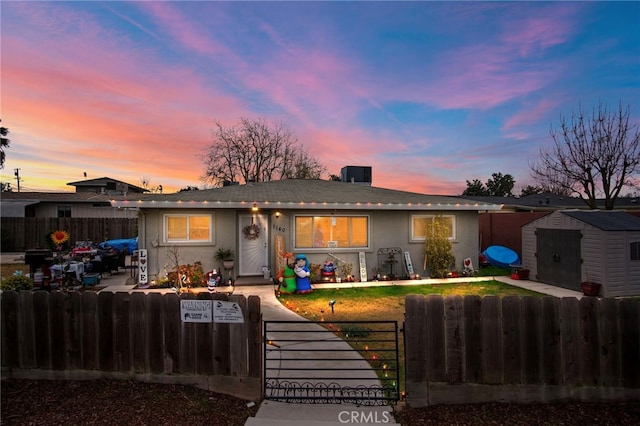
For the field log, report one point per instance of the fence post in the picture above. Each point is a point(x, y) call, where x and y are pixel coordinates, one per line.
point(492, 363)
point(512, 339)
point(454, 332)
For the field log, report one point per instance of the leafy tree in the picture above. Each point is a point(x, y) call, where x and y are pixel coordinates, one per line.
point(4, 143)
point(592, 155)
point(530, 190)
point(475, 188)
point(499, 186)
point(256, 150)
point(438, 248)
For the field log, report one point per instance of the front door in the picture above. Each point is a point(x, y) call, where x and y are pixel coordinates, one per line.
point(253, 254)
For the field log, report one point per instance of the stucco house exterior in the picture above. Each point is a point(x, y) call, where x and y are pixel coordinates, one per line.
point(321, 219)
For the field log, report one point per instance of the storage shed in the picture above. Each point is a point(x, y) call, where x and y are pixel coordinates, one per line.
point(568, 247)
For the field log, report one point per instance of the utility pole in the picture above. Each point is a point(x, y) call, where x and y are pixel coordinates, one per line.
point(17, 173)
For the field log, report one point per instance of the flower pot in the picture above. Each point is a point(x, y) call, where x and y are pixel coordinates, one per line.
point(590, 289)
point(228, 264)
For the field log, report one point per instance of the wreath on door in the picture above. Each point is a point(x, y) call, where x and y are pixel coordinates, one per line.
point(251, 232)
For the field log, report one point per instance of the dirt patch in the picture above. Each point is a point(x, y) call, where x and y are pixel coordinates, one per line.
point(109, 402)
point(574, 413)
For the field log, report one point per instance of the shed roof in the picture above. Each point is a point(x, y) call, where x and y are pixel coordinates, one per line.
point(607, 220)
point(304, 193)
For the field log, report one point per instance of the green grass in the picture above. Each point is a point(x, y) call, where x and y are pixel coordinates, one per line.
point(384, 303)
point(493, 271)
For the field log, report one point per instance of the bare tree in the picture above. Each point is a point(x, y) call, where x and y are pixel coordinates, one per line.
point(256, 150)
point(591, 156)
point(301, 166)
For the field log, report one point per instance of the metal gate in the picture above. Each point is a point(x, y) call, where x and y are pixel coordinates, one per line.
point(323, 362)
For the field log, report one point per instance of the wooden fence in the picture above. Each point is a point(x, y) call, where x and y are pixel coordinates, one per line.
point(520, 349)
point(122, 335)
point(24, 233)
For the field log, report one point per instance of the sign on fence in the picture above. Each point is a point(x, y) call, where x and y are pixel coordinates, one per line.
point(195, 310)
point(227, 312)
point(210, 311)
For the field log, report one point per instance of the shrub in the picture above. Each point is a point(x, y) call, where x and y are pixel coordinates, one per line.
point(438, 249)
point(17, 283)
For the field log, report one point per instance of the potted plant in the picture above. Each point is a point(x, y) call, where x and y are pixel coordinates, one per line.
point(226, 256)
point(590, 288)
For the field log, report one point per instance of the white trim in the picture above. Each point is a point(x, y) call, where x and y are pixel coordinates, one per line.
point(304, 206)
point(165, 238)
point(412, 235)
point(331, 246)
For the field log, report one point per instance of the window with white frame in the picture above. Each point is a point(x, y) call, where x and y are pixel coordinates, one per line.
point(420, 224)
point(331, 231)
point(188, 228)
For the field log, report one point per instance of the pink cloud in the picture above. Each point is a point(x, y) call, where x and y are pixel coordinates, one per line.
point(182, 29)
point(530, 114)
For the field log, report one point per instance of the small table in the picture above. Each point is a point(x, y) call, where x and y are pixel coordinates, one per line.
point(76, 268)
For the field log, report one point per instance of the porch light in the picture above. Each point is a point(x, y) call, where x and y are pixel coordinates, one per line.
point(254, 208)
point(277, 214)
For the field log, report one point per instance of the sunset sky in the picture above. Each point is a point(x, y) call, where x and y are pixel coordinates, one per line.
point(430, 94)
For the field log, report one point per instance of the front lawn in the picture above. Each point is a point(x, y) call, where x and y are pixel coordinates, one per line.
point(383, 303)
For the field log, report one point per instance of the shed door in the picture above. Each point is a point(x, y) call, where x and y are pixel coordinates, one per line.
point(558, 257)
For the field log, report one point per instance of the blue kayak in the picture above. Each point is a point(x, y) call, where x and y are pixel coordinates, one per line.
point(502, 257)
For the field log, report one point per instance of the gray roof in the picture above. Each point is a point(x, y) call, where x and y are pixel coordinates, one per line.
point(607, 220)
point(57, 197)
point(550, 202)
point(304, 194)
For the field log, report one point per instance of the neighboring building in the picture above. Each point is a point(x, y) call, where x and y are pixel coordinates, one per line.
point(60, 204)
point(549, 202)
point(262, 220)
point(91, 199)
point(566, 248)
point(107, 186)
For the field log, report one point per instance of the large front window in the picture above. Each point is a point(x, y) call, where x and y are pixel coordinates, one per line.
point(420, 224)
point(332, 231)
point(188, 228)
